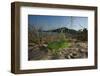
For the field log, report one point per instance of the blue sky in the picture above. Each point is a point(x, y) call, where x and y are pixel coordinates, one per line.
point(54, 22)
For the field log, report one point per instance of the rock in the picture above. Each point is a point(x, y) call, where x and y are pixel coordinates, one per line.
point(45, 45)
point(69, 57)
point(83, 50)
point(76, 50)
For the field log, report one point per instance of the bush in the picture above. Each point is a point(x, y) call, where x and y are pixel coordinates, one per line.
point(57, 45)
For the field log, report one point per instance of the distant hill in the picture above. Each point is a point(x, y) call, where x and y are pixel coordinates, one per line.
point(81, 34)
point(65, 30)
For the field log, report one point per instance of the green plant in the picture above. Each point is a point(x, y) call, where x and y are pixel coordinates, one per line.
point(56, 46)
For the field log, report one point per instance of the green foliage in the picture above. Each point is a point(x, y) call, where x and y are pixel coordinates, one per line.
point(56, 45)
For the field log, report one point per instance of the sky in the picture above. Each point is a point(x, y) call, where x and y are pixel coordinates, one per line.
point(53, 22)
